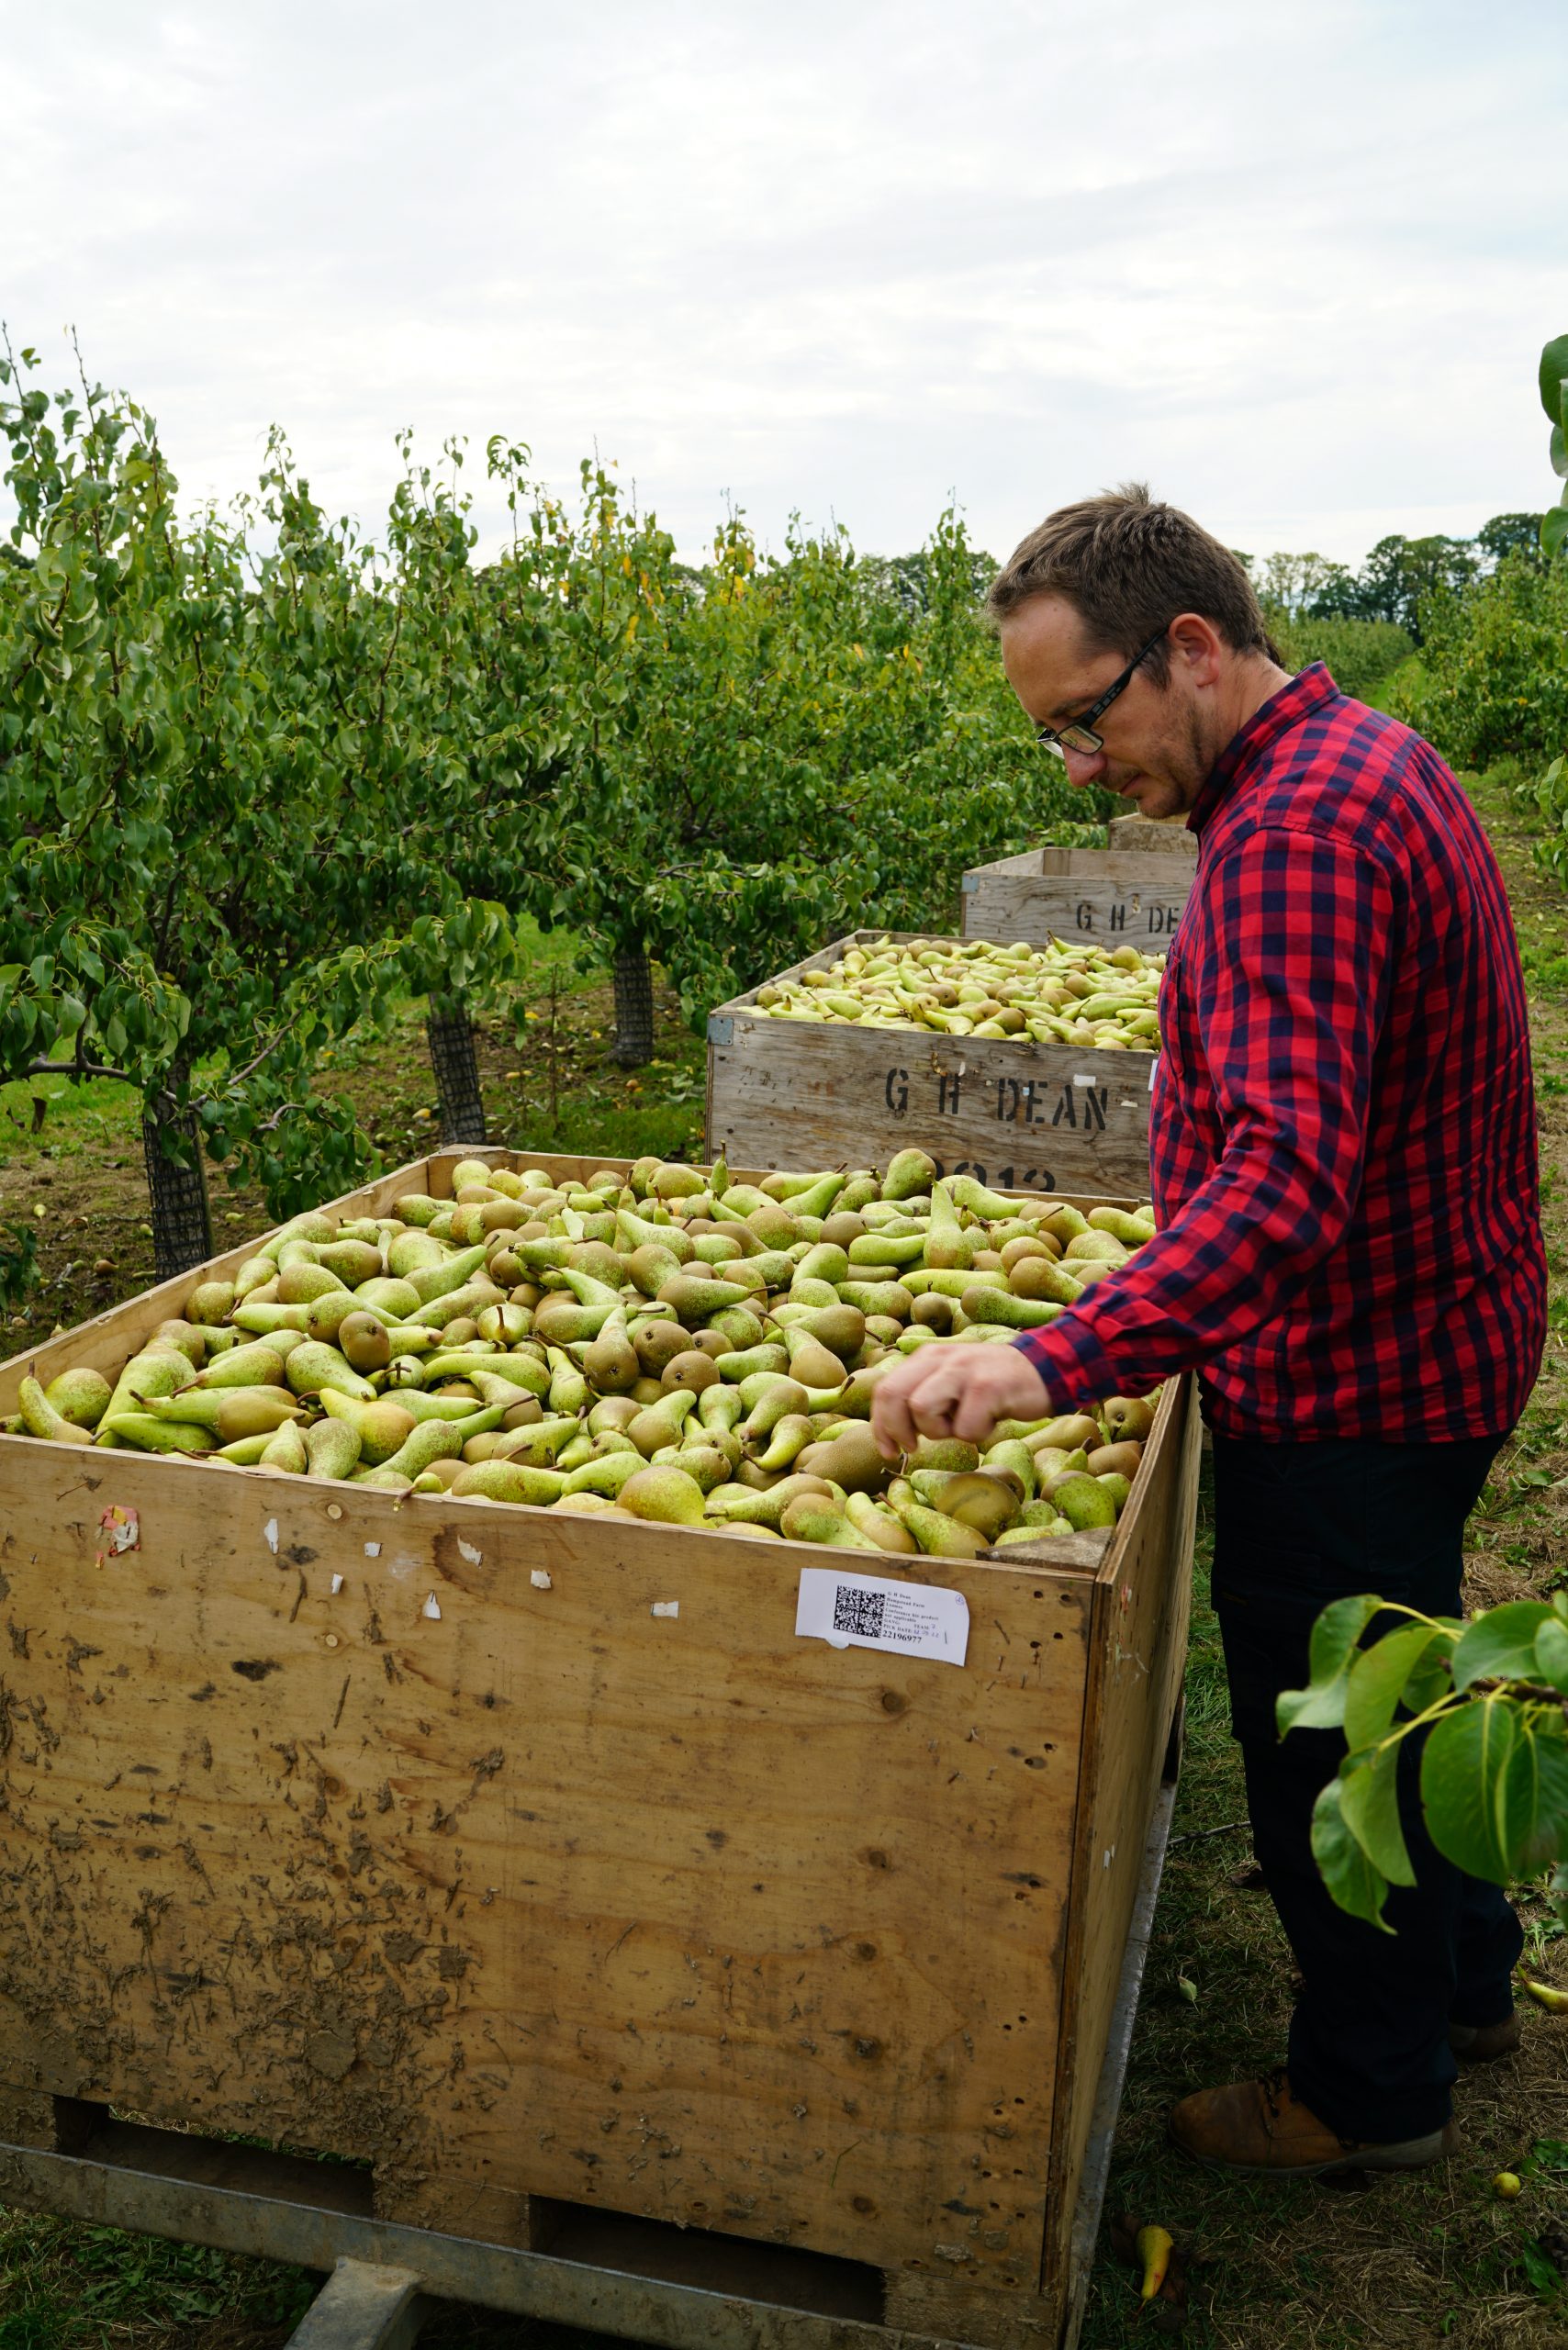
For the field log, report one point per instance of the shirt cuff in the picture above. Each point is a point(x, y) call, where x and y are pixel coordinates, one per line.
point(1074, 1365)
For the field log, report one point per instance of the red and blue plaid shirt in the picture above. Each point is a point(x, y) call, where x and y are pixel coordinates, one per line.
point(1343, 1135)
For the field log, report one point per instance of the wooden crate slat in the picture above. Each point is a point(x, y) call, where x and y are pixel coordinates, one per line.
point(1109, 896)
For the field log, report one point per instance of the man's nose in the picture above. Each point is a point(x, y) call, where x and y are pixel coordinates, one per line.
point(1083, 767)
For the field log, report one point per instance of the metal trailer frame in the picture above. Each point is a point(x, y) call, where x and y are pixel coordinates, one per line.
point(642, 2280)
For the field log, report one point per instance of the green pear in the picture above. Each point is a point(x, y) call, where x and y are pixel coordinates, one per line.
point(510, 1481)
point(212, 1301)
point(311, 1368)
point(407, 1252)
point(353, 1261)
point(286, 1451)
point(258, 1364)
point(694, 1297)
point(1001, 1309)
point(450, 1272)
point(666, 1495)
point(777, 1397)
point(1115, 1459)
point(739, 1324)
point(302, 1284)
point(810, 1518)
point(907, 1172)
point(431, 1440)
point(80, 1396)
point(1012, 1458)
point(720, 1406)
point(661, 1423)
point(381, 1426)
point(331, 1448)
point(259, 1319)
point(1042, 1516)
point(982, 1501)
point(874, 1519)
point(311, 1226)
point(851, 1459)
point(253, 1274)
point(40, 1418)
point(750, 1363)
point(248, 1452)
point(150, 1434)
point(230, 1413)
point(1083, 1502)
point(607, 1473)
point(788, 1438)
point(940, 1536)
point(1117, 1487)
point(810, 1364)
point(1129, 1417)
point(882, 1297)
point(950, 1452)
point(1130, 1230)
point(611, 1364)
point(612, 1413)
point(705, 1463)
point(824, 1262)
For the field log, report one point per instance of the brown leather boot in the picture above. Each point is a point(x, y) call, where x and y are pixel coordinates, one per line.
point(1482, 2044)
point(1260, 2126)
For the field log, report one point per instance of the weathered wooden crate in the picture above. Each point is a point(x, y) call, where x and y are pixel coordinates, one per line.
point(1116, 897)
point(1018, 1114)
point(430, 1834)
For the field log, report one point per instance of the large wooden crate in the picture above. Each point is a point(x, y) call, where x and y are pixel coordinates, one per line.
point(1116, 897)
point(1018, 1114)
point(541, 1866)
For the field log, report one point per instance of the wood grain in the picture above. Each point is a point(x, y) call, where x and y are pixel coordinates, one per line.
point(1107, 896)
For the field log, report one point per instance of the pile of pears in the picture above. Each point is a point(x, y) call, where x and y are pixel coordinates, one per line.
point(1064, 993)
point(668, 1345)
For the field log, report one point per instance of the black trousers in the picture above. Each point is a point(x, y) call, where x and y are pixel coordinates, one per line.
point(1296, 1526)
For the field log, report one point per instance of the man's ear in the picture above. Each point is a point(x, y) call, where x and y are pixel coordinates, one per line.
point(1197, 648)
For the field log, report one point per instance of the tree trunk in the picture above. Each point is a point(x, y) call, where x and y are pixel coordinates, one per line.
point(634, 1006)
point(182, 1221)
point(456, 1068)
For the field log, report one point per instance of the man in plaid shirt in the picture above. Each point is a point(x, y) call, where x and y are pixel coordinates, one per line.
point(1350, 1253)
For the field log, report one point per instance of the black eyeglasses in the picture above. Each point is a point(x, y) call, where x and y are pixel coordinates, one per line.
point(1080, 734)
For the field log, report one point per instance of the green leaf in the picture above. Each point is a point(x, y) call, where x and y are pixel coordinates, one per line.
point(1354, 1882)
point(1559, 450)
point(1551, 1652)
point(1495, 1787)
point(1554, 369)
point(1554, 530)
point(1500, 1644)
point(1369, 1803)
point(1321, 1705)
point(1543, 2275)
point(1378, 1679)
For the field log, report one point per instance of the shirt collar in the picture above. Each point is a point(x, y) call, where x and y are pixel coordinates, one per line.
point(1245, 750)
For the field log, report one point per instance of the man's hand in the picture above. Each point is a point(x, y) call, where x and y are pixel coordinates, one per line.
point(955, 1390)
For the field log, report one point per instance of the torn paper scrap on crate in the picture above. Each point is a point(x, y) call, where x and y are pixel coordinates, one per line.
point(868, 1611)
point(121, 1526)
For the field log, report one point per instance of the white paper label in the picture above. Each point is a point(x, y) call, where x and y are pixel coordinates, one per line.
point(852, 1611)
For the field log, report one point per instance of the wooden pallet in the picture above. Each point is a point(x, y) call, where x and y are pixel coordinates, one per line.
point(425, 1834)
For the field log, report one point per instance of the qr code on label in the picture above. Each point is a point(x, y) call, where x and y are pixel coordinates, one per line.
point(858, 1611)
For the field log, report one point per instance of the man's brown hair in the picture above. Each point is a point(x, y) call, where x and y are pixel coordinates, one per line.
point(1128, 565)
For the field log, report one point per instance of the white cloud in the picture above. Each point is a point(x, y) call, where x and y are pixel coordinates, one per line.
point(1295, 265)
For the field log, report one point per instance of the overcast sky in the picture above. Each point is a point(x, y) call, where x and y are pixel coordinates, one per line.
point(1293, 263)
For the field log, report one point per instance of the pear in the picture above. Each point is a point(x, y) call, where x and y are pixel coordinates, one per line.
point(811, 1362)
point(364, 1343)
point(79, 1396)
point(1012, 1458)
point(695, 1297)
point(506, 1324)
point(612, 1363)
point(672, 1180)
point(887, 1530)
point(606, 1475)
point(210, 1302)
point(739, 1324)
point(257, 1364)
point(286, 1450)
point(1129, 1417)
point(840, 1329)
point(311, 1368)
point(940, 1536)
point(1038, 1276)
point(1086, 1247)
point(40, 1418)
point(786, 1440)
point(439, 1279)
point(1069, 1430)
point(886, 1297)
point(1082, 1501)
point(259, 1318)
point(154, 1372)
point(999, 1309)
point(851, 1459)
point(331, 1448)
point(1115, 1459)
point(933, 1312)
point(431, 1440)
point(661, 1423)
point(232, 1413)
point(568, 1390)
point(749, 1362)
point(750, 1505)
point(582, 1504)
point(705, 1463)
point(907, 1172)
point(311, 1226)
point(666, 1495)
point(613, 1412)
point(693, 1368)
point(809, 1518)
point(1130, 1230)
point(381, 1426)
point(1117, 1487)
point(779, 1396)
point(416, 1247)
point(824, 1262)
point(510, 1481)
point(535, 1447)
point(635, 1233)
point(949, 1452)
point(301, 1284)
point(977, 1499)
point(150, 1434)
point(658, 1343)
point(247, 1453)
point(721, 1407)
point(1044, 1516)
